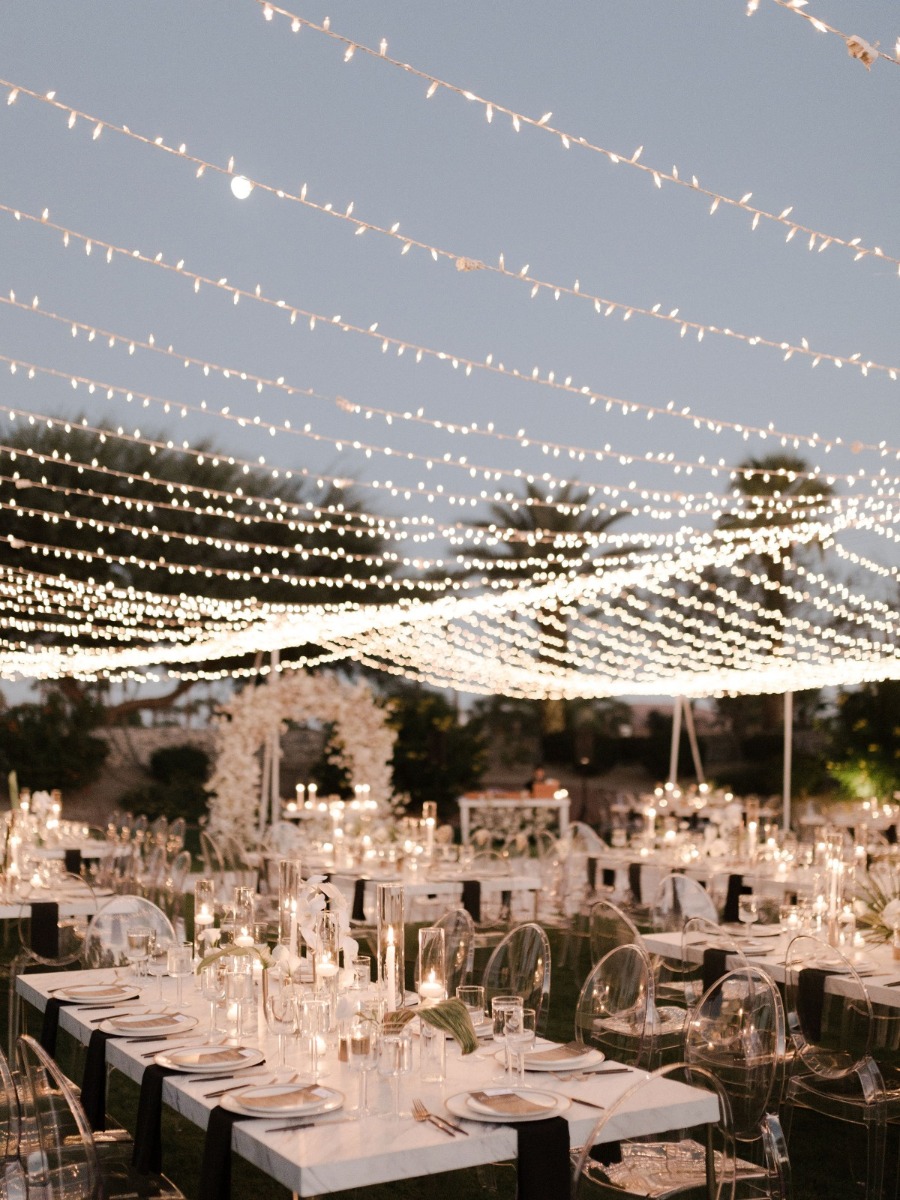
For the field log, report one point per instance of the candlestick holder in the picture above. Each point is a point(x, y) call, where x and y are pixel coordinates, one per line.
point(432, 981)
point(391, 971)
point(204, 916)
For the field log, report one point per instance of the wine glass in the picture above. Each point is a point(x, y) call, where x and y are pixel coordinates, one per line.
point(239, 992)
point(138, 946)
point(362, 1051)
point(748, 909)
point(158, 963)
point(281, 1014)
point(179, 964)
point(520, 1034)
point(212, 988)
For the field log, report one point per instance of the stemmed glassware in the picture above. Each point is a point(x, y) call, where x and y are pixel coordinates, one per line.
point(239, 990)
point(315, 1016)
point(212, 988)
point(362, 1051)
point(158, 963)
point(281, 1011)
point(180, 964)
point(519, 1028)
point(138, 945)
point(748, 910)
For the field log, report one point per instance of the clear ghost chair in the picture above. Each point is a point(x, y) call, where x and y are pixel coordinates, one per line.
point(459, 944)
point(678, 898)
point(608, 927)
point(62, 1160)
point(697, 1159)
point(707, 952)
point(615, 1011)
point(520, 965)
point(106, 940)
point(834, 1032)
point(737, 1032)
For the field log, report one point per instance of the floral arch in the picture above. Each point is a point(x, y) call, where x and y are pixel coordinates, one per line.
point(362, 742)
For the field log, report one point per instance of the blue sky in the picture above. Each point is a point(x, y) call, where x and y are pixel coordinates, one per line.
point(760, 104)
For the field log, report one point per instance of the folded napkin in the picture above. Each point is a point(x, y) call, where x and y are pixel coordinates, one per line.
point(50, 1024)
point(302, 1095)
point(215, 1166)
point(45, 928)
point(609, 877)
point(93, 1081)
point(73, 861)
point(592, 873)
point(228, 1056)
point(715, 965)
point(147, 1154)
point(558, 1053)
point(634, 881)
point(543, 1166)
point(811, 1000)
point(509, 1104)
point(471, 898)
point(137, 1020)
point(359, 896)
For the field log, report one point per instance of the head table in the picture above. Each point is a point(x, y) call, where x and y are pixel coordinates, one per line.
point(339, 1152)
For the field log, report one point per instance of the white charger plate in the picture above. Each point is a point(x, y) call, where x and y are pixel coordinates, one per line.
point(321, 1100)
point(150, 1023)
point(88, 993)
point(199, 1059)
point(461, 1105)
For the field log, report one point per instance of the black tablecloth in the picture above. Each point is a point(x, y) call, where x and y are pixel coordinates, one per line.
point(471, 898)
point(147, 1154)
point(93, 1081)
point(543, 1166)
point(45, 928)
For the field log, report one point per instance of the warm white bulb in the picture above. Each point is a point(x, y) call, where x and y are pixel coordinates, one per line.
point(241, 187)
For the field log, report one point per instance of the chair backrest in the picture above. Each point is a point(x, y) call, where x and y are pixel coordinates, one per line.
point(10, 1124)
point(70, 930)
point(678, 898)
point(615, 1010)
point(175, 836)
point(608, 927)
point(211, 854)
point(589, 840)
point(459, 940)
point(106, 941)
point(737, 1032)
point(520, 965)
point(489, 862)
point(832, 1033)
point(697, 1156)
point(66, 1166)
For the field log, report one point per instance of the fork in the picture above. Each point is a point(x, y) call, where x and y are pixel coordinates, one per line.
point(421, 1113)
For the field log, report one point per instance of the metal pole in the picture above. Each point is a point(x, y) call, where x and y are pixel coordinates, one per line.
point(788, 756)
point(275, 777)
point(676, 740)
point(692, 738)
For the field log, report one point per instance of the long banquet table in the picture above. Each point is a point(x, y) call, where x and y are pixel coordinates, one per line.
point(336, 1153)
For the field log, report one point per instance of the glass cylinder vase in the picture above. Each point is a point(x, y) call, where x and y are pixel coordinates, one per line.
point(289, 878)
point(391, 970)
point(432, 981)
point(204, 917)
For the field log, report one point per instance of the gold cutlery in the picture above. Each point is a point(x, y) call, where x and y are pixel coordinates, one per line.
point(421, 1113)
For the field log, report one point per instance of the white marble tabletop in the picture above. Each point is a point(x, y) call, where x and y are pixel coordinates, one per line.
point(337, 1153)
point(878, 968)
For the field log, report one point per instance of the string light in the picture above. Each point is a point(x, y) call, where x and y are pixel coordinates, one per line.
point(857, 47)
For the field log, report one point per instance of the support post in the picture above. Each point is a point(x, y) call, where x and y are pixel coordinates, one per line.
point(788, 757)
point(275, 776)
point(692, 738)
point(676, 740)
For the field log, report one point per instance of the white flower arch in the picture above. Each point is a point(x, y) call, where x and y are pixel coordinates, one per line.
point(362, 742)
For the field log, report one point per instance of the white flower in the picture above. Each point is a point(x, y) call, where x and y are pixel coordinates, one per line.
point(890, 914)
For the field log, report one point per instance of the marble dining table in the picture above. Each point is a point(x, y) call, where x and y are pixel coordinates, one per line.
point(338, 1151)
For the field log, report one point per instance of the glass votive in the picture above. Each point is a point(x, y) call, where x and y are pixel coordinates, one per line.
point(432, 1054)
point(472, 996)
point(789, 918)
point(431, 982)
point(362, 971)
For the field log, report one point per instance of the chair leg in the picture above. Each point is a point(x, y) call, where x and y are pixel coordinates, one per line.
point(876, 1148)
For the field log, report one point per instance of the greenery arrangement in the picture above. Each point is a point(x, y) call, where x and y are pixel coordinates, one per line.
point(451, 1016)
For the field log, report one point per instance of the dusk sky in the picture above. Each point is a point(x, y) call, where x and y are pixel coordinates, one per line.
point(761, 104)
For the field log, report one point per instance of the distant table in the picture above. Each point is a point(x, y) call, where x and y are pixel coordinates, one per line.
point(509, 804)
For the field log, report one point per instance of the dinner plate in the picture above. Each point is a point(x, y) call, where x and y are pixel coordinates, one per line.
point(462, 1105)
point(102, 993)
point(759, 931)
point(553, 1058)
point(198, 1059)
point(152, 1023)
point(285, 1100)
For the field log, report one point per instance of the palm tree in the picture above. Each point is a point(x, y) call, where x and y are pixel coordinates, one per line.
point(543, 535)
point(778, 491)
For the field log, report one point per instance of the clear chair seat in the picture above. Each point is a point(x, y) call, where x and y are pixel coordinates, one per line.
point(661, 1169)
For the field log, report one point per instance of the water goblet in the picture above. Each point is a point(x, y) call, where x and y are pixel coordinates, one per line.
point(500, 1005)
point(212, 988)
point(158, 963)
point(472, 996)
point(520, 1034)
point(138, 946)
point(315, 1016)
point(748, 909)
point(394, 1060)
point(362, 1056)
point(281, 1014)
point(179, 964)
